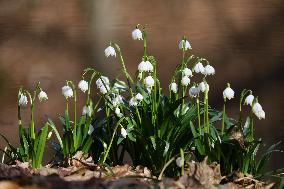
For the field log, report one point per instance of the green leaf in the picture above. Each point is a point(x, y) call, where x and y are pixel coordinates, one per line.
point(41, 144)
point(53, 127)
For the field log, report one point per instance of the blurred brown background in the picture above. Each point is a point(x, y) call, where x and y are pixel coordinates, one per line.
point(52, 41)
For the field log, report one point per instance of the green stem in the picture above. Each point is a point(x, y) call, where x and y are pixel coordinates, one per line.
point(67, 108)
point(145, 43)
point(19, 116)
point(223, 117)
point(75, 121)
point(198, 115)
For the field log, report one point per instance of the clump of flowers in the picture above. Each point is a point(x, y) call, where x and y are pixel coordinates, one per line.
point(156, 129)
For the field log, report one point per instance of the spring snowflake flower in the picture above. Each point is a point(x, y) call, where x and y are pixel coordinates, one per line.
point(23, 100)
point(104, 89)
point(149, 82)
point(101, 81)
point(249, 100)
point(117, 100)
point(139, 96)
point(167, 146)
point(67, 91)
point(123, 132)
point(133, 101)
point(110, 51)
point(193, 91)
point(173, 87)
point(83, 85)
point(91, 129)
point(187, 72)
point(199, 68)
point(258, 111)
point(145, 66)
point(42, 96)
point(87, 111)
point(202, 87)
point(117, 112)
point(179, 162)
point(185, 81)
point(137, 34)
point(209, 70)
point(184, 43)
point(228, 93)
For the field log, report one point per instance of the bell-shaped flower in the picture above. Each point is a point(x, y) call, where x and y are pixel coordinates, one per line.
point(145, 66)
point(185, 81)
point(184, 44)
point(202, 86)
point(258, 111)
point(249, 100)
point(117, 100)
point(149, 82)
point(23, 100)
point(187, 72)
point(193, 91)
point(67, 91)
point(102, 81)
point(209, 70)
point(228, 93)
point(117, 112)
point(137, 34)
point(139, 97)
point(199, 68)
point(123, 132)
point(133, 101)
point(87, 110)
point(173, 87)
point(83, 85)
point(110, 51)
point(42, 96)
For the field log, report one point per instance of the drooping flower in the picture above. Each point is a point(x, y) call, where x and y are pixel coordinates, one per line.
point(173, 87)
point(139, 96)
point(149, 66)
point(199, 68)
point(258, 111)
point(91, 129)
point(83, 85)
point(110, 51)
point(103, 80)
point(123, 132)
point(23, 100)
point(193, 91)
point(117, 100)
point(42, 96)
point(133, 101)
point(209, 70)
point(249, 100)
point(185, 81)
point(228, 93)
point(187, 72)
point(179, 162)
point(104, 89)
point(184, 44)
point(67, 91)
point(202, 86)
point(149, 82)
point(145, 66)
point(137, 34)
point(87, 110)
point(117, 112)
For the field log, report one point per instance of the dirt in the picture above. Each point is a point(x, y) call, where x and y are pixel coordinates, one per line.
point(83, 174)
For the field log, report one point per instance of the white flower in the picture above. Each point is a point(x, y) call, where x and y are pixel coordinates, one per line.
point(101, 81)
point(104, 89)
point(110, 51)
point(42, 96)
point(87, 110)
point(119, 86)
point(23, 101)
point(198, 68)
point(167, 146)
point(249, 99)
point(228, 93)
point(123, 132)
point(209, 70)
point(67, 91)
point(179, 162)
point(83, 85)
point(185, 81)
point(137, 34)
point(91, 129)
point(247, 123)
point(117, 100)
point(187, 72)
point(184, 43)
point(173, 87)
point(117, 112)
point(193, 91)
point(133, 101)
point(149, 81)
point(145, 66)
point(202, 86)
point(258, 111)
point(139, 96)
